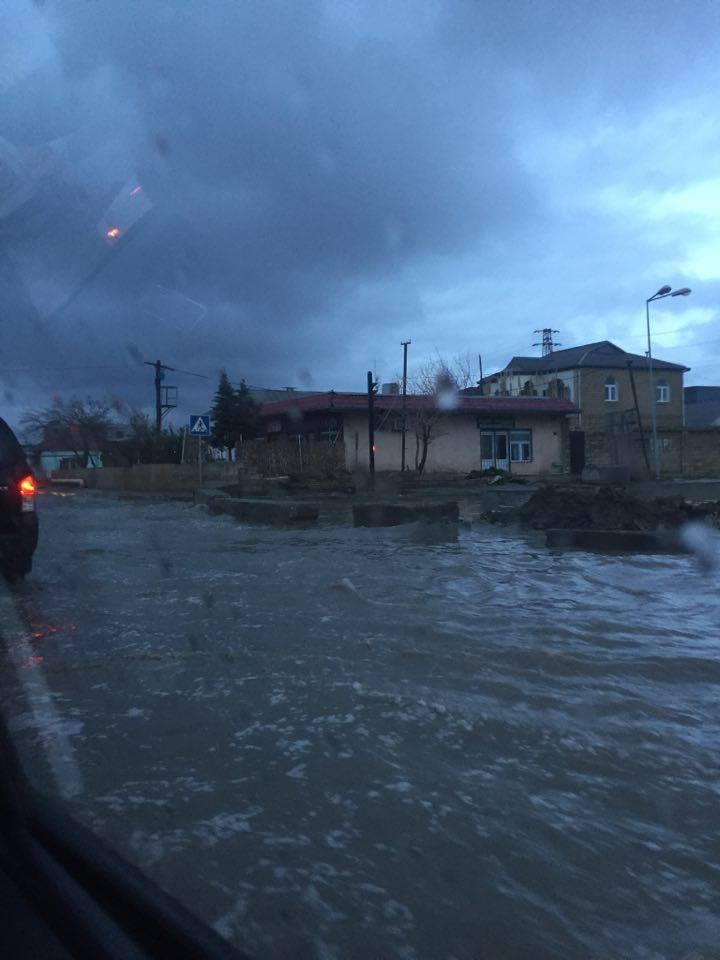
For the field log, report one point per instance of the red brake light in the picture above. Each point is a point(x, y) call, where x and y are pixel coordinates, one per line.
point(27, 486)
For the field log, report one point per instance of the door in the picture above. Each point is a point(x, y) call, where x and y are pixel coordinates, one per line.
point(502, 461)
point(494, 450)
point(487, 450)
point(577, 451)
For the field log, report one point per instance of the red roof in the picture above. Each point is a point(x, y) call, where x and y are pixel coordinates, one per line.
point(349, 402)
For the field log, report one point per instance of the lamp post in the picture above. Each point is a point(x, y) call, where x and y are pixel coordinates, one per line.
point(663, 292)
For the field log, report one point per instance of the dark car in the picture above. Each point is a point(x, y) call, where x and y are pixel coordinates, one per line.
point(18, 516)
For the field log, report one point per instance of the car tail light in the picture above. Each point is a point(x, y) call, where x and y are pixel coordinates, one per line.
point(27, 494)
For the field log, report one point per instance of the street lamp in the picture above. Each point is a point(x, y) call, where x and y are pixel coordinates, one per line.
point(663, 292)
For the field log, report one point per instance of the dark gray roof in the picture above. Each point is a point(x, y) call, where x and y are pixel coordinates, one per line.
point(273, 395)
point(701, 394)
point(601, 354)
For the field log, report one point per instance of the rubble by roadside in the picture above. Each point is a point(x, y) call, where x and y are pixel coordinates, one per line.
point(603, 508)
point(493, 475)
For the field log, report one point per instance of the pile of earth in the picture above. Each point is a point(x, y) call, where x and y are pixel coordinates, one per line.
point(494, 475)
point(603, 508)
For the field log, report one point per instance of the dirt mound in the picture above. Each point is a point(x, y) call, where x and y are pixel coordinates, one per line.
point(603, 508)
point(494, 475)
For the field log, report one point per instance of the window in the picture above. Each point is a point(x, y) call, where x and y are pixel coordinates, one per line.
point(662, 392)
point(611, 390)
point(521, 446)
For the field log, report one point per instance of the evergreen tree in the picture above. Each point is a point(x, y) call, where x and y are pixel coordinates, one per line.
point(247, 414)
point(235, 415)
point(223, 414)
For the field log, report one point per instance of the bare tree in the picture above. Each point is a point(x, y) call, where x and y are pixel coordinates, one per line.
point(465, 370)
point(439, 381)
point(82, 423)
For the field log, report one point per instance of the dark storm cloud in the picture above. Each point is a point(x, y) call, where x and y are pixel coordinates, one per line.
point(287, 160)
point(313, 169)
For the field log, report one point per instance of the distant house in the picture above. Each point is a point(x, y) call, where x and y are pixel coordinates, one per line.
point(702, 407)
point(611, 389)
point(64, 448)
point(525, 435)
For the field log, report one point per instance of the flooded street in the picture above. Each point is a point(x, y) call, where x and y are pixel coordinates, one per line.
point(387, 743)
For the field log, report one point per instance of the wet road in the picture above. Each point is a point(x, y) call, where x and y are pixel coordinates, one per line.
point(395, 743)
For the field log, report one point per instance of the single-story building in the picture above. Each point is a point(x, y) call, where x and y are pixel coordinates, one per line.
point(525, 435)
point(69, 447)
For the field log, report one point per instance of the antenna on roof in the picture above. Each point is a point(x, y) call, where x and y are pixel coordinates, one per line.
point(547, 343)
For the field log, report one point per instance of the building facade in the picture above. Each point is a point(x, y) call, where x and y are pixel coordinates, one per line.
point(612, 392)
point(527, 436)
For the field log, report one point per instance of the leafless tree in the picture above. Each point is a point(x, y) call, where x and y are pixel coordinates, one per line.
point(82, 422)
point(439, 380)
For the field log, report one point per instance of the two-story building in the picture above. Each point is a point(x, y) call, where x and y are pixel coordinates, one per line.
point(612, 391)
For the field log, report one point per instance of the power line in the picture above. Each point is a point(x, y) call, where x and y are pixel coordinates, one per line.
point(656, 333)
point(189, 373)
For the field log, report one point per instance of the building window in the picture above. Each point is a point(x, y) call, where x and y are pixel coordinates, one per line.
point(611, 390)
point(662, 392)
point(520, 446)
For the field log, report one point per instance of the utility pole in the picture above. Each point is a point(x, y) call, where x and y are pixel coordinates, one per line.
point(480, 384)
point(159, 367)
point(639, 418)
point(404, 345)
point(371, 387)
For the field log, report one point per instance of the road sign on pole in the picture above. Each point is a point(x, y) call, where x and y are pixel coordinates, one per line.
point(199, 425)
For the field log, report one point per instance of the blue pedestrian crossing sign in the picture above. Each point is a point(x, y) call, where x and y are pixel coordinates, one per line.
point(199, 425)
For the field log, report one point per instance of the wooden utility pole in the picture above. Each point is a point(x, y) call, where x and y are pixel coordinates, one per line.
point(371, 387)
point(404, 345)
point(159, 375)
point(639, 418)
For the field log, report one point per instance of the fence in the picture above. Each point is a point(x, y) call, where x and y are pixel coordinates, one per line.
point(159, 477)
point(291, 457)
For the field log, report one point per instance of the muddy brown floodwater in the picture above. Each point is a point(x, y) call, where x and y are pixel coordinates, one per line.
point(342, 743)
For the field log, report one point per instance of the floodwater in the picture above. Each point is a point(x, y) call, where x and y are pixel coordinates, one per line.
point(341, 743)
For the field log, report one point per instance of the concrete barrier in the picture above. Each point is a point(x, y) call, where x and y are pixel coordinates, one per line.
point(67, 481)
point(272, 512)
point(616, 541)
point(393, 514)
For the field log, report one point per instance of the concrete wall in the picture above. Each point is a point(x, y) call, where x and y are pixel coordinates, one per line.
point(618, 449)
point(455, 447)
point(701, 454)
point(154, 477)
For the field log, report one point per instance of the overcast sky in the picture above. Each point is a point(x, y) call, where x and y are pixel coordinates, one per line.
point(321, 180)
